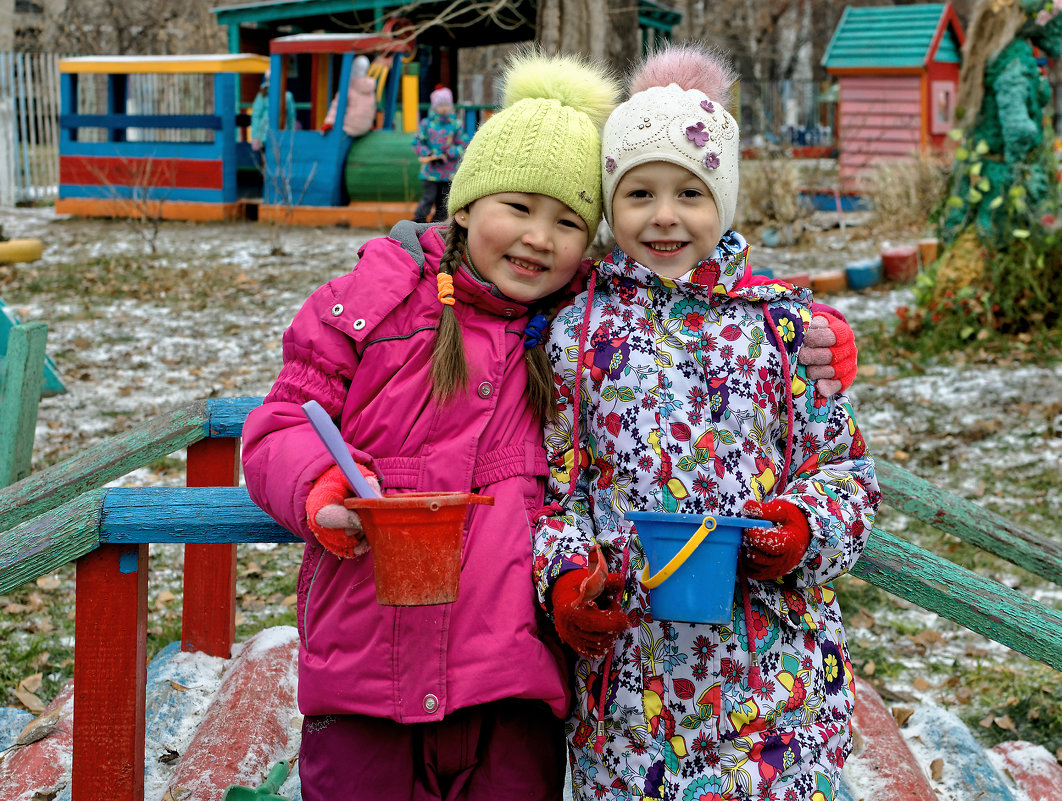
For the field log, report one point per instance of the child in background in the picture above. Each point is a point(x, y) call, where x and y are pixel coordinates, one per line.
point(360, 113)
point(679, 390)
point(438, 144)
point(427, 363)
point(259, 133)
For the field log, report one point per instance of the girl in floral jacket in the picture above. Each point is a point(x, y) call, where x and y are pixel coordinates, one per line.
point(679, 390)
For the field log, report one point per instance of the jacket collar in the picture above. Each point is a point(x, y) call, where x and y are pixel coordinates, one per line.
point(470, 287)
point(715, 276)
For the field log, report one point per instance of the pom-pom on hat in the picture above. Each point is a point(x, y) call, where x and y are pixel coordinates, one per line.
point(441, 97)
point(546, 139)
point(676, 114)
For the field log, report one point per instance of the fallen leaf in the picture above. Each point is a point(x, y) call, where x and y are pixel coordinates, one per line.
point(169, 756)
point(862, 620)
point(921, 684)
point(289, 601)
point(902, 714)
point(164, 598)
point(1004, 722)
point(936, 769)
point(29, 700)
point(176, 686)
point(48, 583)
point(45, 795)
point(16, 609)
point(986, 723)
point(40, 727)
point(177, 794)
point(31, 683)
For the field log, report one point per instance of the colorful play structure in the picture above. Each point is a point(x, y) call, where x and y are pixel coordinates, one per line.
point(125, 153)
point(114, 162)
point(318, 177)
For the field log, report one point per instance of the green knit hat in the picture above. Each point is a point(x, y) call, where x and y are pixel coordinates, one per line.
point(546, 139)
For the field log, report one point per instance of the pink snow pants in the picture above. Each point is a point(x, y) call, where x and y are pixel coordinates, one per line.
point(511, 750)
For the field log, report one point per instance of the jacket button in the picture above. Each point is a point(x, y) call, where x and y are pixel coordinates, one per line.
point(337, 310)
point(485, 390)
point(431, 703)
point(358, 324)
point(508, 312)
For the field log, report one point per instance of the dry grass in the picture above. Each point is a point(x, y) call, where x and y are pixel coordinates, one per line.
point(905, 192)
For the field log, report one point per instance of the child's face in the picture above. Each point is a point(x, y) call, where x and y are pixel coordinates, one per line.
point(664, 217)
point(529, 246)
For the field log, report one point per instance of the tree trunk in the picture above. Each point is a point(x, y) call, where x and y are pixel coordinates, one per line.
point(604, 30)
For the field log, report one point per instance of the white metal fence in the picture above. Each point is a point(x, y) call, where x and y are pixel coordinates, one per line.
point(29, 127)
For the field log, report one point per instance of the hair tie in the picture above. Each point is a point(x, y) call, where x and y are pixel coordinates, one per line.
point(446, 289)
point(533, 333)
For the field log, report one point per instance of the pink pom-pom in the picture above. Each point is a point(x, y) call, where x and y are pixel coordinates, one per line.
point(691, 67)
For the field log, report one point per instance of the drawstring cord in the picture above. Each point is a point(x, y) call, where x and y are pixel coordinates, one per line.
point(606, 675)
point(755, 679)
point(599, 739)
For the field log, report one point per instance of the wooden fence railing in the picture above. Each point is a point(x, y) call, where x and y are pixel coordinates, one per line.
point(61, 514)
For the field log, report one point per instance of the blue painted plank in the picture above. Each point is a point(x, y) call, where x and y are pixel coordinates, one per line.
point(141, 193)
point(146, 150)
point(186, 514)
point(210, 122)
point(225, 416)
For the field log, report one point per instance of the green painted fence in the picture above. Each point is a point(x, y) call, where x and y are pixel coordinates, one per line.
point(60, 514)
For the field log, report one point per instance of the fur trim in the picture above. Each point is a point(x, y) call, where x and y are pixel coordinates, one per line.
point(574, 81)
point(690, 66)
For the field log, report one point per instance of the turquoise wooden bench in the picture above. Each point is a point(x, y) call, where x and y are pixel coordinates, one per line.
point(61, 514)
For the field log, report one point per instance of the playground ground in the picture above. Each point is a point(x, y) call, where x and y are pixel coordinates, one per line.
point(134, 336)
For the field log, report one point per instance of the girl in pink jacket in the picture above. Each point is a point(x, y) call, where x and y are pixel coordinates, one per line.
point(424, 355)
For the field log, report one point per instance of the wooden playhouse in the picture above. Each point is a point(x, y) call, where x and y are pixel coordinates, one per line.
point(153, 136)
point(897, 68)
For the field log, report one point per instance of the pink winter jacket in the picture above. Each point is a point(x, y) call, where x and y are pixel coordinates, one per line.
point(360, 114)
point(361, 347)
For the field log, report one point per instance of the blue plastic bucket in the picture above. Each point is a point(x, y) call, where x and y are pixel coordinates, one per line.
point(700, 588)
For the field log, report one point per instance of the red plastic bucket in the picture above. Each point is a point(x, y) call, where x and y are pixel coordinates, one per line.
point(416, 540)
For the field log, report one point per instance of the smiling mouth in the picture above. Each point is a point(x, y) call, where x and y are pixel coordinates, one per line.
point(665, 247)
point(531, 266)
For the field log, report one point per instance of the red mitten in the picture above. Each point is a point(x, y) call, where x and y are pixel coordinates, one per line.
point(589, 625)
point(829, 351)
point(770, 553)
point(337, 528)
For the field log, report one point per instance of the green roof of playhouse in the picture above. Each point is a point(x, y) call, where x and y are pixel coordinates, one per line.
point(895, 37)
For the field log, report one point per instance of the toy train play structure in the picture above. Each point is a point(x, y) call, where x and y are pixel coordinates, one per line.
point(119, 162)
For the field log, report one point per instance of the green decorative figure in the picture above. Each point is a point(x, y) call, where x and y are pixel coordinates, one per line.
point(1008, 152)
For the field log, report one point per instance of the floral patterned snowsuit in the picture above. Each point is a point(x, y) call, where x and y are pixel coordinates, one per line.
point(683, 408)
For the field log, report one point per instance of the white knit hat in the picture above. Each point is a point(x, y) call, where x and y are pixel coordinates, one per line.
point(681, 126)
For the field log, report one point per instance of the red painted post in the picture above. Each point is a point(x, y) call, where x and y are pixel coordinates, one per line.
point(209, 620)
point(110, 674)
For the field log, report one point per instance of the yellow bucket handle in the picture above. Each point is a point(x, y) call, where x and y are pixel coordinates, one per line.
point(707, 525)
